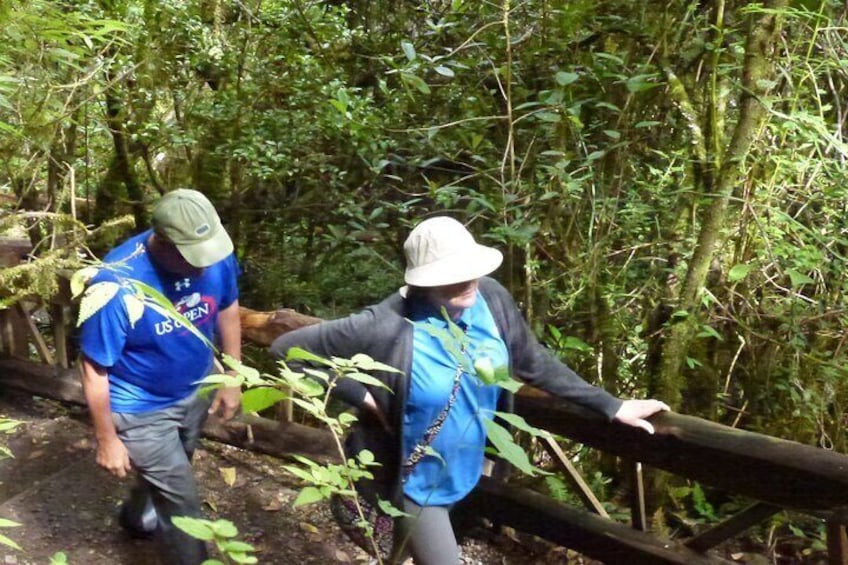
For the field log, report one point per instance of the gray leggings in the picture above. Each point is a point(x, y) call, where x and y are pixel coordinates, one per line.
point(427, 535)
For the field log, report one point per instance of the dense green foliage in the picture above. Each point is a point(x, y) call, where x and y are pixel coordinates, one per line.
point(667, 179)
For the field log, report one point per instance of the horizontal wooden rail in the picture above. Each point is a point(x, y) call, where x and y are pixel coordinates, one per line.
point(776, 471)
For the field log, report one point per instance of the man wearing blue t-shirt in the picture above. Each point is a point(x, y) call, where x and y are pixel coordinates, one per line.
point(140, 375)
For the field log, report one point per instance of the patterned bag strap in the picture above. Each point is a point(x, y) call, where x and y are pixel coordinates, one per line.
point(433, 429)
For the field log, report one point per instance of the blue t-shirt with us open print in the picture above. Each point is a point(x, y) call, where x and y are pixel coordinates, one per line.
point(156, 362)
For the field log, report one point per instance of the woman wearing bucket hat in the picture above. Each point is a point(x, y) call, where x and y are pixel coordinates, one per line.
point(428, 430)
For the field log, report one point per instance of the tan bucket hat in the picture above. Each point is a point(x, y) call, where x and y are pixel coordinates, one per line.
point(440, 251)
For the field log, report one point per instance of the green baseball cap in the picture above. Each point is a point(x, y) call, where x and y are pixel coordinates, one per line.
point(190, 222)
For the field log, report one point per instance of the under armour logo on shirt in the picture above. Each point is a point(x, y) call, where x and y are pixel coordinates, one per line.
point(183, 284)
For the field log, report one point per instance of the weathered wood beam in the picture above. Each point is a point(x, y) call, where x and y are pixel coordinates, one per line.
point(280, 439)
point(638, 505)
point(733, 526)
point(837, 544)
point(263, 327)
point(599, 538)
point(37, 338)
point(585, 493)
point(776, 471)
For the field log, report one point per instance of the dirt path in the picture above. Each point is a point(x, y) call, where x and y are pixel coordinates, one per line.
point(66, 503)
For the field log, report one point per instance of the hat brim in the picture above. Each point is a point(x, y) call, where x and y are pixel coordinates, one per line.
point(206, 253)
point(468, 264)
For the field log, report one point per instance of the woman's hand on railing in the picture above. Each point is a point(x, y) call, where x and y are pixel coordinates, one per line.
point(634, 412)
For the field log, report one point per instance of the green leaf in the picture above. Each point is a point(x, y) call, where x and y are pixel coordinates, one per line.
point(308, 495)
point(520, 423)
point(445, 71)
point(224, 529)
point(80, 279)
point(738, 272)
point(8, 541)
point(195, 527)
point(484, 369)
point(135, 308)
point(249, 374)
point(798, 278)
point(366, 363)
point(709, 331)
point(564, 79)
point(550, 117)
point(691, 362)
point(240, 557)
point(96, 297)
point(299, 354)
point(222, 379)
point(237, 546)
point(307, 388)
point(575, 343)
point(260, 398)
point(507, 448)
point(4, 523)
point(367, 380)
point(390, 510)
point(408, 50)
point(346, 418)
point(366, 457)
point(59, 558)
point(639, 83)
point(416, 82)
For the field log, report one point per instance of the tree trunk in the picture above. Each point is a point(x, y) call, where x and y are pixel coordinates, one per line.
point(752, 115)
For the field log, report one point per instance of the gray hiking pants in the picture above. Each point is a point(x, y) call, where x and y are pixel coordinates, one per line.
point(161, 444)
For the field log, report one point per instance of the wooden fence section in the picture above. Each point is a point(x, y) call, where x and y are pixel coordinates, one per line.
point(776, 474)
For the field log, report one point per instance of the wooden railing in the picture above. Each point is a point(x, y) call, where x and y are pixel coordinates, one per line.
point(775, 474)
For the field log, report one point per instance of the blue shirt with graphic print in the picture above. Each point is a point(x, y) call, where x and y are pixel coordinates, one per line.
point(155, 362)
point(446, 478)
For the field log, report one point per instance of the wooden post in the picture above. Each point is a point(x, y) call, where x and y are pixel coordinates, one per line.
point(837, 544)
point(638, 515)
point(59, 317)
point(583, 491)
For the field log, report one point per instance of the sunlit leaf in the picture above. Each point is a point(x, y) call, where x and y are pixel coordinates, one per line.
point(408, 50)
point(444, 71)
point(507, 449)
point(96, 297)
point(738, 272)
point(228, 474)
point(564, 79)
point(261, 398)
point(798, 278)
point(80, 279)
point(195, 527)
point(135, 308)
point(308, 495)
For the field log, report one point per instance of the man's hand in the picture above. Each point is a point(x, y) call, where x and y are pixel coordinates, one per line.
point(226, 403)
point(112, 455)
point(634, 412)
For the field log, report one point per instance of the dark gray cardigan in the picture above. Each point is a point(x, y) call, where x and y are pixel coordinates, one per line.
point(383, 332)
